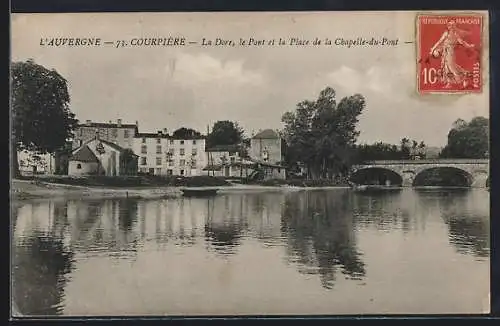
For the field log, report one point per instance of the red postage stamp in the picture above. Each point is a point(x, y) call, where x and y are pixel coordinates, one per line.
point(449, 52)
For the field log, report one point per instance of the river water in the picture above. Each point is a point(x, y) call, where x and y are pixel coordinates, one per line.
point(307, 252)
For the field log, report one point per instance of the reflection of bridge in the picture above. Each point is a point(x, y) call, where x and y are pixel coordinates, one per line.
point(475, 170)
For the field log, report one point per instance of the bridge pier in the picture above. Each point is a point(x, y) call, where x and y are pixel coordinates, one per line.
point(479, 180)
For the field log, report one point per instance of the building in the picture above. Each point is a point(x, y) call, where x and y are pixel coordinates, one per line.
point(267, 146)
point(267, 149)
point(225, 161)
point(32, 163)
point(101, 157)
point(118, 133)
point(161, 154)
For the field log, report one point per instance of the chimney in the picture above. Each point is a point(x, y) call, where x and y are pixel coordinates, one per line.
point(88, 122)
point(119, 122)
point(97, 134)
point(136, 123)
point(110, 122)
point(165, 131)
point(159, 133)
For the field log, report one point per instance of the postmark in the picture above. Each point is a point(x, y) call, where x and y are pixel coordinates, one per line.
point(449, 52)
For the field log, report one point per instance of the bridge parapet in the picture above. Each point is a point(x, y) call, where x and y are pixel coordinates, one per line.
point(426, 161)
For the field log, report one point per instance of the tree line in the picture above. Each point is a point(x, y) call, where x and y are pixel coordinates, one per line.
point(320, 135)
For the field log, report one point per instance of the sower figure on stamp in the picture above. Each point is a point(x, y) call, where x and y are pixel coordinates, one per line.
point(451, 72)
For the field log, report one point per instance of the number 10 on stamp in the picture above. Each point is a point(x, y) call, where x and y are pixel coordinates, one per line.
point(449, 53)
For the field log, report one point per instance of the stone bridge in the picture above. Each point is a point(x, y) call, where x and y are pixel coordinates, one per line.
point(475, 170)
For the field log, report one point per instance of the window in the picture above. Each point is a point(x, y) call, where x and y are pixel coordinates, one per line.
point(144, 140)
point(182, 142)
point(182, 172)
point(170, 172)
point(158, 140)
point(232, 153)
point(182, 162)
point(233, 159)
point(194, 142)
point(114, 132)
point(78, 166)
point(171, 151)
point(158, 149)
point(143, 160)
point(144, 149)
point(193, 163)
point(125, 133)
point(194, 152)
point(182, 152)
point(171, 141)
point(158, 161)
point(170, 162)
point(158, 171)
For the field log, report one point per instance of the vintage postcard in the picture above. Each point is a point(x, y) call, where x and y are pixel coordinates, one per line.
point(250, 163)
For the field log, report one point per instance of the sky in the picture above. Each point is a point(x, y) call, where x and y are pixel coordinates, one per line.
point(194, 86)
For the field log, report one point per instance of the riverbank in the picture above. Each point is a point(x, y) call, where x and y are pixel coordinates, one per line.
point(37, 189)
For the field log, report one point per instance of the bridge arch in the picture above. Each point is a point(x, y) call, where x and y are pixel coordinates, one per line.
point(444, 176)
point(376, 176)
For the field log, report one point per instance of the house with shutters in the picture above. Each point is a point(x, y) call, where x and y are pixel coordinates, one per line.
point(101, 157)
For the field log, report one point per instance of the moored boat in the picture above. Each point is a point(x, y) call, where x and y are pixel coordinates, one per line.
point(199, 192)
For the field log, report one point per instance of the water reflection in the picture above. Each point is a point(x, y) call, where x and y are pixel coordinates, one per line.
point(321, 235)
point(326, 236)
point(40, 264)
point(386, 211)
point(466, 213)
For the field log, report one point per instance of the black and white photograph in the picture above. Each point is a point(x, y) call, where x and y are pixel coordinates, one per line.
point(249, 163)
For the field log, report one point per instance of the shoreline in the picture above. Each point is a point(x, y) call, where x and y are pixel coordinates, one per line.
point(27, 190)
point(22, 190)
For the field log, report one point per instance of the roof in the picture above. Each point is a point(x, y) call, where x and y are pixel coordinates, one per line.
point(151, 135)
point(267, 134)
point(112, 145)
point(223, 148)
point(108, 143)
point(107, 125)
point(84, 154)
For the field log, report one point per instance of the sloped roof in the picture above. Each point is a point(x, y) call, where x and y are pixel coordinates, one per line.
point(112, 145)
point(84, 154)
point(267, 134)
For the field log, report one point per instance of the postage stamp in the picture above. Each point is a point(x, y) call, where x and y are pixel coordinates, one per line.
point(449, 53)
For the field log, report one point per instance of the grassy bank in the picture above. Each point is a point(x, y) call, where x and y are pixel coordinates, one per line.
point(134, 181)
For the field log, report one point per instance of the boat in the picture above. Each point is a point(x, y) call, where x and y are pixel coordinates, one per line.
point(199, 192)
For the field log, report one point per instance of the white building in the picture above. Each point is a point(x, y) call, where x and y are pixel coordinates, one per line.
point(33, 163)
point(162, 154)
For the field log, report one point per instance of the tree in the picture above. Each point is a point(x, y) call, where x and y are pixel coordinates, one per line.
point(186, 133)
point(225, 133)
point(322, 133)
point(405, 148)
point(41, 117)
point(468, 140)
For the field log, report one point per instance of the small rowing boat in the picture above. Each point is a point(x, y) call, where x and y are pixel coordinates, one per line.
point(199, 192)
